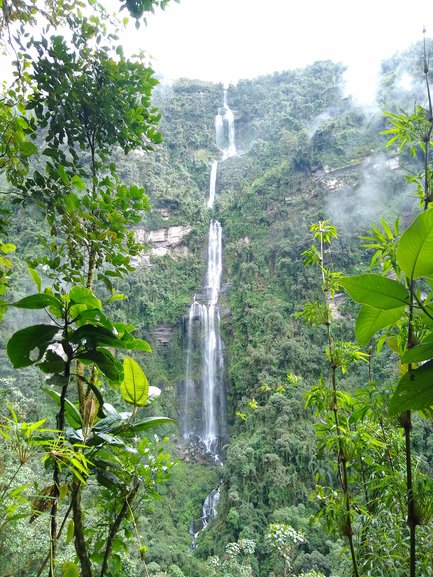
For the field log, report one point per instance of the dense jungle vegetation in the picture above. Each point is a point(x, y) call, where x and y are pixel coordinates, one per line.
point(326, 302)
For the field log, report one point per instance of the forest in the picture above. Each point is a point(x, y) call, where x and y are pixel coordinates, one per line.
point(216, 313)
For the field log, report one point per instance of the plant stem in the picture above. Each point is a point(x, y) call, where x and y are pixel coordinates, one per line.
point(341, 457)
point(62, 526)
point(80, 541)
point(60, 422)
point(116, 525)
point(407, 426)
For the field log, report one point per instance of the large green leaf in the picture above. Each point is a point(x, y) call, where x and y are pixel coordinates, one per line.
point(105, 361)
point(109, 480)
point(146, 424)
point(414, 390)
point(415, 249)
point(92, 336)
point(135, 386)
point(82, 295)
point(376, 291)
point(131, 343)
point(27, 346)
point(418, 354)
point(52, 363)
point(38, 301)
point(370, 320)
point(72, 414)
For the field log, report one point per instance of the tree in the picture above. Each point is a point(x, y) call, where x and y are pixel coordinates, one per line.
point(85, 100)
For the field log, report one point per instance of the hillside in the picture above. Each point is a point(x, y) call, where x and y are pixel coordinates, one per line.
point(304, 153)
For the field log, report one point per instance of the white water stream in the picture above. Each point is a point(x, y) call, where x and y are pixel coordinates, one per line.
point(204, 404)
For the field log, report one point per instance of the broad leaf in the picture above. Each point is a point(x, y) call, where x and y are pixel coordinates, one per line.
point(418, 354)
point(38, 301)
point(135, 386)
point(131, 343)
point(72, 414)
point(105, 439)
point(105, 361)
point(109, 480)
point(27, 346)
point(146, 424)
point(69, 569)
point(415, 249)
point(28, 148)
point(376, 291)
point(414, 390)
point(78, 182)
point(92, 336)
point(52, 363)
point(83, 315)
point(370, 320)
point(82, 295)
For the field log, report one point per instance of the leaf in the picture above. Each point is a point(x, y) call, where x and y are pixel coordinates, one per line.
point(109, 480)
point(28, 148)
point(415, 249)
point(78, 182)
point(376, 291)
point(146, 424)
point(422, 352)
point(90, 316)
point(107, 364)
point(38, 301)
point(7, 247)
point(36, 278)
point(92, 336)
point(69, 569)
point(33, 340)
point(72, 202)
point(62, 173)
point(414, 390)
point(133, 344)
point(371, 320)
point(82, 295)
point(116, 297)
point(135, 386)
point(72, 414)
point(52, 363)
point(70, 531)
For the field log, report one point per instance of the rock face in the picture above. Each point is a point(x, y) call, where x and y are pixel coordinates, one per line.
point(162, 241)
point(163, 334)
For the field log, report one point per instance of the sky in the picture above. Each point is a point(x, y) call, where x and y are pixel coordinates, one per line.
point(228, 40)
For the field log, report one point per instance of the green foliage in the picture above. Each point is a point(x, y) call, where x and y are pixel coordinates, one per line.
point(235, 562)
point(292, 125)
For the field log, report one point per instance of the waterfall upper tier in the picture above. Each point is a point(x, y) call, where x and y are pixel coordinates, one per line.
point(225, 130)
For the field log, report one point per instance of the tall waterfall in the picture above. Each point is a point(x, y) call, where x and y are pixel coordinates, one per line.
point(225, 130)
point(204, 394)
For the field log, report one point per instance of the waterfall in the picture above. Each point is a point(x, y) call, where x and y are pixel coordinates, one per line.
point(209, 507)
point(225, 129)
point(204, 395)
point(212, 357)
point(208, 512)
point(212, 185)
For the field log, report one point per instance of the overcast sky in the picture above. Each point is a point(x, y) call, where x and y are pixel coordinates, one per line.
point(226, 40)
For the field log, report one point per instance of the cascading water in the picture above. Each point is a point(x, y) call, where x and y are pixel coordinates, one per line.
point(208, 512)
point(225, 130)
point(204, 394)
